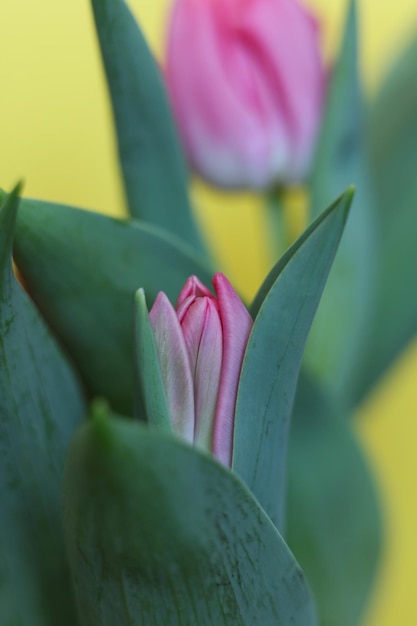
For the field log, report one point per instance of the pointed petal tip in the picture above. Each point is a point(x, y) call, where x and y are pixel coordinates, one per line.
point(193, 287)
point(160, 305)
point(219, 280)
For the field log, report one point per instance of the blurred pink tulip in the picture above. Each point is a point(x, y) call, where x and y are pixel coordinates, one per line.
point(246, 82)
point(201, 346)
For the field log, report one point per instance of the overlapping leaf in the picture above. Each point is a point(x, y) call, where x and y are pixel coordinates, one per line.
point(83, 270)
point(335, 346)
point(333, 518)
point(151, 160)
point(41, 405)
point(149, 390)
point(283, 312)
point(160, 534)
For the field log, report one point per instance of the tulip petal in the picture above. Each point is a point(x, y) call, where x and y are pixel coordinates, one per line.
point(175, 367)
point(203, 337)
point(192, 289)
point(224, 142)
point(236, 325)
point(246, 83)
point(271, 30)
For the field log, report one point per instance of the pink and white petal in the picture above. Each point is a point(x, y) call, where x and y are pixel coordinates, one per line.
point(236, 325)
point(193, 288)
point(175, 366)
point(295, 83)
point(192, 326)
point(219, 138)
point(184, 306)
point(207, 374)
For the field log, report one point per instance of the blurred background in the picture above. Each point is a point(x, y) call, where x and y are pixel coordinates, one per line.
point(56, 134)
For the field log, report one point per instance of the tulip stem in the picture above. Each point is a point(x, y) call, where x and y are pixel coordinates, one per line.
point(276, 223)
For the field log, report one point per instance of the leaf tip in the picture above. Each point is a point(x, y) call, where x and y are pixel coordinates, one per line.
point(350, 191)
point(348, 196)
point(100, 409)
point(9, 203)
point(100, 415)
point(140, 298)
point(10, 199)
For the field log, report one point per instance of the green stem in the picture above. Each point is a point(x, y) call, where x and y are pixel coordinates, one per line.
point(278, 235)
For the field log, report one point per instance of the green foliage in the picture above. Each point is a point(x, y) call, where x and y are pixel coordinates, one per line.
point(160, 534)
point(83, 270)
point(150, 397)
point(151, 160)
point(392, 136)
point(283, 312)
point(335, 346)
point(41, 404)
point(333, 517)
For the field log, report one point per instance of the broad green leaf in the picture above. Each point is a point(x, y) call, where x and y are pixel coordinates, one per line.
point(392, 123)
point(335, 345)
point(41, 405)
point(151, 160)
point(333, 518)
point(283, 311)
point(150, 396)
point(83, 270)
point(160, 534)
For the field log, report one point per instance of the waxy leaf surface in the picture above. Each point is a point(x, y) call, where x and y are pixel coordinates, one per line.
point(150, 397)
point(83, 270)
point(392, 137)
point(333, 517)
point(151, 159)
point(335, 346)
point(41, 405)
point(283, 312)
point(160, 534)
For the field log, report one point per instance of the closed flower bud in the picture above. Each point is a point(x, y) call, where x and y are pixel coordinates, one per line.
point(201, 346)
point(246, 82)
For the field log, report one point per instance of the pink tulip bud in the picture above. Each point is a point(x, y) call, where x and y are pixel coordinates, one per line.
point(246, 82)
point(201, 346)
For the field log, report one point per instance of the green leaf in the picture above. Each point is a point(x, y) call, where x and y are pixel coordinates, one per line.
point(150, 397)
point(284, 310)
point(333, 520)
point(160, 534)
point(152, 163)
point(392, 124)
point(41, 405)
point(335, 345)
point(83, 270)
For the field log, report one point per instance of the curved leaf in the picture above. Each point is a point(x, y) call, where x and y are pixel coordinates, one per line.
point(159, 533)
point(392, 137)
point(152, 163)
point(284, 309)
point(41, 404)
point(150, 396)
point(333, 519)
point(83, 270)
point(334, 349)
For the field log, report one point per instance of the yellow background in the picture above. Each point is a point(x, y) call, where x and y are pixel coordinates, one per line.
point(56, 133)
